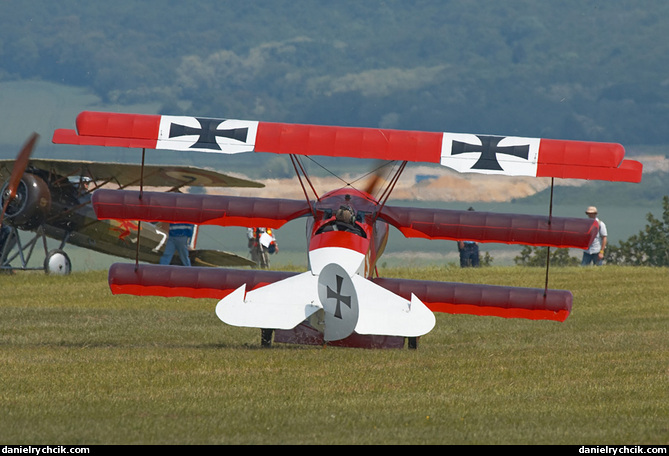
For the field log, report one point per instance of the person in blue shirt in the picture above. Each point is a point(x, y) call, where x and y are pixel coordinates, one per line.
point(178, 239)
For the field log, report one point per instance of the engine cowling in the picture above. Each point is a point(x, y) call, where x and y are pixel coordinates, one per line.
point(31, 205)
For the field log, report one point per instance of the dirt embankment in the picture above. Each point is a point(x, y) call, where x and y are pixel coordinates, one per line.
point(430, 183)
point(427, 184)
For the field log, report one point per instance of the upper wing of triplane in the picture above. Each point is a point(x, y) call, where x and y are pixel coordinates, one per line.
point(514, 156)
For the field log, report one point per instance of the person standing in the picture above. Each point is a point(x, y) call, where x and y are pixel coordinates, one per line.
point(262, 243)
point(178, 239)
point(469, 252)
point(595, 253)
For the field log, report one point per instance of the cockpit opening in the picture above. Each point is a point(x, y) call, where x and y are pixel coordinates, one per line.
point(344, 220)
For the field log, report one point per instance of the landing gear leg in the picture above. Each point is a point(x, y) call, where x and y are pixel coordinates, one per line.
point(266, 337)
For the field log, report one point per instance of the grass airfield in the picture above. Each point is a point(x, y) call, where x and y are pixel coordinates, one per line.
point(80, 366)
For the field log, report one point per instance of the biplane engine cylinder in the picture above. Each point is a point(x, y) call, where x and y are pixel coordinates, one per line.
point(31, 204)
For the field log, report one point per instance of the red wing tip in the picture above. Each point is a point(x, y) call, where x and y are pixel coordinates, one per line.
point(65, 136)
point(559, 315)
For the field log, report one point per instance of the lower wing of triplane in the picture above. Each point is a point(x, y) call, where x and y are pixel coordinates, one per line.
point(345, 305)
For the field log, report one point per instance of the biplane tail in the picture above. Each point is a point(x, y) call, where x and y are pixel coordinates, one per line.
point(348, 305)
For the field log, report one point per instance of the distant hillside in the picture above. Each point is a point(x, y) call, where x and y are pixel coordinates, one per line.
point(647, 193)
point(592, 70)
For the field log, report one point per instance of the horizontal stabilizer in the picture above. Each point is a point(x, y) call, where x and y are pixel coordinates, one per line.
point(485, 300)
point(465, 153)
point(197, 209)
point(386, 313)
point(447, 224)
point(281, 305)
point(190, 282)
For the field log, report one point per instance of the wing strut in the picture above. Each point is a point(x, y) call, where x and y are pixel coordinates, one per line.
point(389, 189)
point(548, 248)
point(301, 172)
point(139, 222)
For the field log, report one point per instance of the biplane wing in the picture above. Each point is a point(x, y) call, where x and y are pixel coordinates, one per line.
point(488, 154)
point(125, 174)
point(454, 298)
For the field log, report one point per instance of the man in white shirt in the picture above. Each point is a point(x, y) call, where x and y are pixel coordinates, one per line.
point(595, 253)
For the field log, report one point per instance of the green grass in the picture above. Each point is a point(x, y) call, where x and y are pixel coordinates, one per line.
point(80, 366)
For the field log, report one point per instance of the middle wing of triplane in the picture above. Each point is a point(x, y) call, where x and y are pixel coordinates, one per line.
point(561, 232)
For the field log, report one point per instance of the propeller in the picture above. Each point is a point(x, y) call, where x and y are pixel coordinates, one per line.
point(378, 176)
point(20, 165)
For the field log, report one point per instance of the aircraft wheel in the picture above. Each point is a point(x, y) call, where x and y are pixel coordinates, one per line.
point(57, 262)
point(412, 343)
point(266, 337)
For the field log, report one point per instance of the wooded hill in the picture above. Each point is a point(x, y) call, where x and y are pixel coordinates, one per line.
point(592, 70)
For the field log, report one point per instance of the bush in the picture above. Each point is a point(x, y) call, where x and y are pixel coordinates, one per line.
point(536, 256)
point(650, 247)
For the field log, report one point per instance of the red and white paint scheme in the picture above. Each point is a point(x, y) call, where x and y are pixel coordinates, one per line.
point(487, 154)
point(340, 300)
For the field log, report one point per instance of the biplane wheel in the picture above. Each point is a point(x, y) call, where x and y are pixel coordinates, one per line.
point(412, 343)
point(266, 337)
point(57, 262)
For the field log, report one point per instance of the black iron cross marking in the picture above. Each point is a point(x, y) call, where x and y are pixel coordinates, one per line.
point(207, 133)
point(489, 150)
point(339, 297)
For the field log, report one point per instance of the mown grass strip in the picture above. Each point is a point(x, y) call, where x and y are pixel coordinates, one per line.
point(78, 365)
